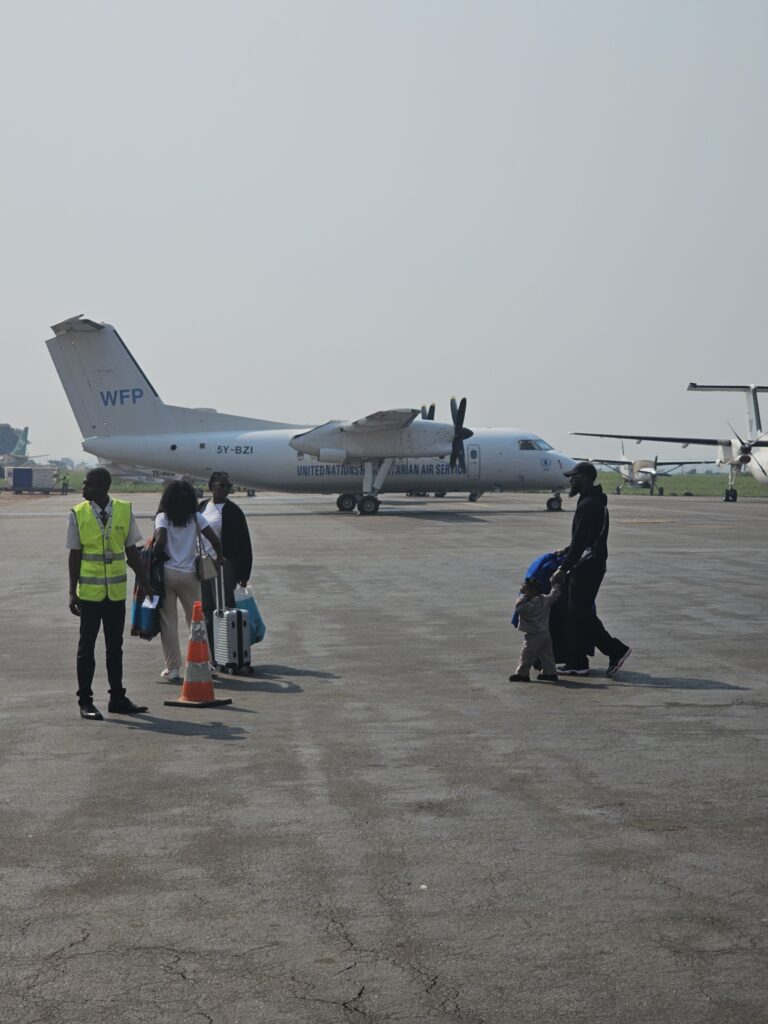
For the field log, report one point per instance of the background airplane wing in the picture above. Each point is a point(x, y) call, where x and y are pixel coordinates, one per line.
point(388, 419)
point(697, 462)
point(656, 437)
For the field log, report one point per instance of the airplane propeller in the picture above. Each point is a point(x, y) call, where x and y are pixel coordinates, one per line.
point(745, 448)
point(460, 434)
point(428, 414)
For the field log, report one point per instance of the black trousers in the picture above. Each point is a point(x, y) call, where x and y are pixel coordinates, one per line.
point(94, 615)
point(208, 589)
point(584, 631)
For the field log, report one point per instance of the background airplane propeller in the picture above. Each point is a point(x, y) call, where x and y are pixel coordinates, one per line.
point(428, 414)
point(460, 434)
point(745, 448)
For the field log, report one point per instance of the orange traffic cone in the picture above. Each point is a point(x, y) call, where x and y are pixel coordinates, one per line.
point(197, 688)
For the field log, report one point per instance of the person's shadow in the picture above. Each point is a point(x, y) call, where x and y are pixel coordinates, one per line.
point(569, 683)
point(675, 683)
point(177, 727)
point(270, 679)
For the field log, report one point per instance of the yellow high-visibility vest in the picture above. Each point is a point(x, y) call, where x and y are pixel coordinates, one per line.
point(101, 575)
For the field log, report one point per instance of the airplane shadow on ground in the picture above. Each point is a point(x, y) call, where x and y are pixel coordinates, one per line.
point(454, 516)
point(174, 727)
point(680, 683)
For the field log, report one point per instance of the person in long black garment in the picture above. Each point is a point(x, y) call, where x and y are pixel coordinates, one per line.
point(585, 563)
point(228, 522)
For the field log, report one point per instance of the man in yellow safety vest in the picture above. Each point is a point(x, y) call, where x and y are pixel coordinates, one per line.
point(102, 538)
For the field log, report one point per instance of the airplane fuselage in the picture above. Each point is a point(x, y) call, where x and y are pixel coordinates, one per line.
point(497, 459)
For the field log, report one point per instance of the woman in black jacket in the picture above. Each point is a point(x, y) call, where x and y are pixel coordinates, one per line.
point(228, 522)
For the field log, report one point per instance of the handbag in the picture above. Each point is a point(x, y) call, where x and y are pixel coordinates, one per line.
point(245, 600)
point(205, 567)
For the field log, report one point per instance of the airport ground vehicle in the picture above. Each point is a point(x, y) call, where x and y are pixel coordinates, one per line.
point(31, 479)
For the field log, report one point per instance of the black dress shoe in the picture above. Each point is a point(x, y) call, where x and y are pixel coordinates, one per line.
point(124, 706)
point(91, 712)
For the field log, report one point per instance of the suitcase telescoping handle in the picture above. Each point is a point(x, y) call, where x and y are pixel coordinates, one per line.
point(220, 605)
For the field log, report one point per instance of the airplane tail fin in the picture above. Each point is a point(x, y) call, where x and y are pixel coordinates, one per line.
point(107, 389)
point(754, 424)
point(111, 395)
point(22, 444)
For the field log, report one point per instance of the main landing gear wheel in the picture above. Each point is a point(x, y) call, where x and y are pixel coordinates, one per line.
point(731, 494)
point(473, 496)
point(555, 503)
point(346, 502)
point(368, 505)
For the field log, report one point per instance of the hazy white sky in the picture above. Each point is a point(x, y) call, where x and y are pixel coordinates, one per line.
point(310, 210)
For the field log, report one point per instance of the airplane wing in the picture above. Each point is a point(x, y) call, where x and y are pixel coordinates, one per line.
point(698, 462)
point(609, 462)
point(387, 419)
point(684, 441)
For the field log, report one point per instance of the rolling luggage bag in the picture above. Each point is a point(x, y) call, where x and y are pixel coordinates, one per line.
point(231, 634)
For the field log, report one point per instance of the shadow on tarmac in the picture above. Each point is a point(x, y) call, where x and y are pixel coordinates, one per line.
point(668, 683)
point(265, 679)
point(278, 671)
point(270, 679)
point(567, 683)
point(175, 727)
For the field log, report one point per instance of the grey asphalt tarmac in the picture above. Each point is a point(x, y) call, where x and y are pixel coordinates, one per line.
point(381, 827)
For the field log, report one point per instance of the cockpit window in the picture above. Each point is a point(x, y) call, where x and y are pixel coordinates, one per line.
point(533, 444)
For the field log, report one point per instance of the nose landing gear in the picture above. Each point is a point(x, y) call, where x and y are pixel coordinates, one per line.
point(555, 503)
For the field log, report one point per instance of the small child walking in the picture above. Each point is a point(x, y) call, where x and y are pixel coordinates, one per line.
point(533, 609)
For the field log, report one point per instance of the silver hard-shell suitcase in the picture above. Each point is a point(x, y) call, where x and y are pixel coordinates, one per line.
point(231, 634)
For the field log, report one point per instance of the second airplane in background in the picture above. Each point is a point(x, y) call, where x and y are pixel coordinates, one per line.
point(644, 472)
point(739, 454)
point(123, 420)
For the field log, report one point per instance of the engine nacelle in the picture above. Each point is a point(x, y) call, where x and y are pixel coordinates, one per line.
point(337, 455)
point(725, 455)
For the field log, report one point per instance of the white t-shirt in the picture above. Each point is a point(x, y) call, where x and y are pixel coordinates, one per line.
point(182, 541)
point(212, 514)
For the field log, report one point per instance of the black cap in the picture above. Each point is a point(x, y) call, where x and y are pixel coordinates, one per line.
point(583, 469)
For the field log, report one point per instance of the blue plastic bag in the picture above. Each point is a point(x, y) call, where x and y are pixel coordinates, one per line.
point(540, 569)
point(145, 621)
point(245, 600)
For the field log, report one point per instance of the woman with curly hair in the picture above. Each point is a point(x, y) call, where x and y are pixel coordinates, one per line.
point(178, 525)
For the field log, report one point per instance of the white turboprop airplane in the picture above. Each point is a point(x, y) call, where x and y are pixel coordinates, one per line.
point(739, 455)
point(123, 420)
point(644, 472)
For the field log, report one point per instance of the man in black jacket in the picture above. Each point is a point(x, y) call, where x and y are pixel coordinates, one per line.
point(585, 563)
